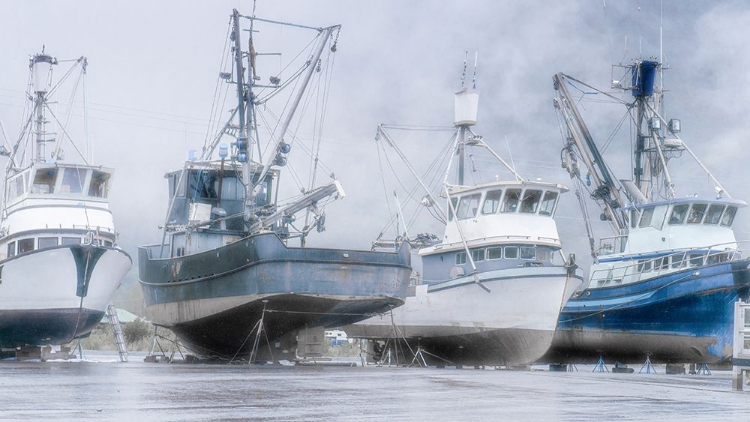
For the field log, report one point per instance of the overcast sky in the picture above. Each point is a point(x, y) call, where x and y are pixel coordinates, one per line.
point(153, 66)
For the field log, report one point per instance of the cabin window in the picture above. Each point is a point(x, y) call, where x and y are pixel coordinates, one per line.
point(25, 245)
point(728, 217)
point(264, 194)
point(494, 253)
point(511, 199)
point(544, 254)
point(714, 214)
point(73, 180)
point(714, 258)
point(467, 206)
point(16, 187)
point(99, 184)
point(461, 258)
point(44, 181)
point(203, 185)
point(530, 201)
point(11, 249)
point(107, 243)
point(696, 213)
point(678, 214)
point(646, 216)
point(477, 255)
point(678, 260)
point(644, 266)
point(528, 252)
point(174, 179)
point(492, 201)
point(661, 263)
point(660, 213)
point(454, 204)
point(47, 242)
point(71, 240)
point(511, 252)
point(548, 203)
point(696, 260)
point(231, 189)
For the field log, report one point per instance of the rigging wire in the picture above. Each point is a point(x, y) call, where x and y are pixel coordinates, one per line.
point(210, 129)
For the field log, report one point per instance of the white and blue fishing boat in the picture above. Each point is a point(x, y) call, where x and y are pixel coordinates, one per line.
point(59, 261)
point(492, 286)
point(224, 278)
point(663, 285)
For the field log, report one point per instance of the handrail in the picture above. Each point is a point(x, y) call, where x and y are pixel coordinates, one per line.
point(635, 269)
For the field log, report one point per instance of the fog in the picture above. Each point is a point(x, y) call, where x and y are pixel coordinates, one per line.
point(153, 66)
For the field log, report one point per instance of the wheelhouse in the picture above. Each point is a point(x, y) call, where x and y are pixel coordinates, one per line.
point(685, 212)
point(61, 181)
point(509, 199)
point(209, 188)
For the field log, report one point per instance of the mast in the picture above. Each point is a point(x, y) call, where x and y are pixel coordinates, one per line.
point(41, 68)
point(242, 101)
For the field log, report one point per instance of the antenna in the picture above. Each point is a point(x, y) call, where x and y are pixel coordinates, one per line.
point(474, 78)
point(463, 75)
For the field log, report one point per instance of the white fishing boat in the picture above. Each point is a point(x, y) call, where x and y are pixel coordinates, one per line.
point(664, 281)
point(492, 286)
point(59, 260)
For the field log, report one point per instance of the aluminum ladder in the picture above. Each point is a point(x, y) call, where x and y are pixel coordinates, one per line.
point(114, 322)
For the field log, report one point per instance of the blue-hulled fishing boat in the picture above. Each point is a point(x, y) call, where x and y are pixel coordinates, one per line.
point(663, 286)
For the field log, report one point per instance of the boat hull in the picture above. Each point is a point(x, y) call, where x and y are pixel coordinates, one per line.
point(51, 296)
point(681, 317)
point(457, 322)
point(213, 300)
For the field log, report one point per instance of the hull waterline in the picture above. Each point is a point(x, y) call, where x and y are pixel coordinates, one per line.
point(52, 296)
point(298, 287)
point(683, 317)
point(512, 324)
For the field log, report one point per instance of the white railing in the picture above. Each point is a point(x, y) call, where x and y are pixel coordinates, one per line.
point(634, 270)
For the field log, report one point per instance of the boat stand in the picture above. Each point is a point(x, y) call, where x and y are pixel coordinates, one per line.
point(419, 358)
point(573, 368)
point(258, 329)
point(151, 357)
point(600, 366)
point(703, 369)
point(80, 349)
point(391, 355)
point(648, 366)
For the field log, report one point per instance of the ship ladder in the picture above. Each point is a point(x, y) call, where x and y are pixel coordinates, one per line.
point(114, 322)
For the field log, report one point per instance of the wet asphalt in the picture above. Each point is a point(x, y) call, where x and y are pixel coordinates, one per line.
point(138, 391)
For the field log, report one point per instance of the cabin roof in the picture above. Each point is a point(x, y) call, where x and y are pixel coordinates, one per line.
point(63, 165)
point(456, 189)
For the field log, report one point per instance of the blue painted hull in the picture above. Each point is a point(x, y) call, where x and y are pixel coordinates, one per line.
point(213, 300)
point(45, 326)
point(686, 316)
point(54, 295)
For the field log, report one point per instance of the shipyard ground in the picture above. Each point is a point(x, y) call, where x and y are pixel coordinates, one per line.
point(102, 389)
